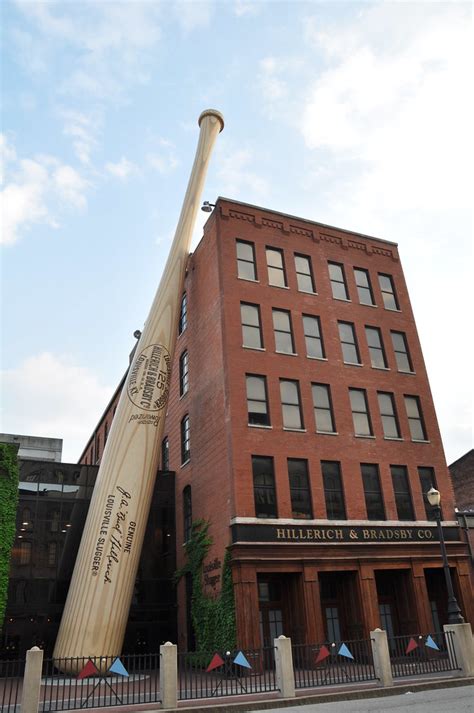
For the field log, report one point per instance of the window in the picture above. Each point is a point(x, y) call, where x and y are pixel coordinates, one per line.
point(54, 523)
point(183, 314)
point(323, 414)
point(183, 374)
point(299, 489)
point(106, 432)
point(304, 273)
point(360, 412)
point(376, 349)
point(187, 513)
point(427, 481)
point(251, 330)
point(364, 288)
point(165, 454)
point(333, 493)
point(246, 268)
point(313, 337)
point(415, 418)
point(25, 552)
point(290, 404)
point(283, 332)
point(350, 350)
point(388, 292)
point(52, 553)
point(92, 455)
point(388, 414)
point(401, 489)
point(264, 487)
point(338, 281)
point(402, 355)
point(372, 492)
point(97, 447)
point(276, 267)
point(257, 402)
point(185, 440)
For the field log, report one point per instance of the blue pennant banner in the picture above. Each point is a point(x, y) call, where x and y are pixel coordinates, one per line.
point(344, 651)
point(240, 660)
point(431, 644)
point(118, 668)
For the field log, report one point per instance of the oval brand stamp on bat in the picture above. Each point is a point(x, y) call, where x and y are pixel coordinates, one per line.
point(149, 380)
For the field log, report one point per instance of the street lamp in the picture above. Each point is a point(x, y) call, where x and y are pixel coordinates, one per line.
point(454, 612)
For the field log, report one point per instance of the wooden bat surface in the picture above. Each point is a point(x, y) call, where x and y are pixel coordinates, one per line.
point(98, 602)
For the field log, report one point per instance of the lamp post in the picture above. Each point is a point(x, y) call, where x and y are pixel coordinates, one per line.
point(454, 612)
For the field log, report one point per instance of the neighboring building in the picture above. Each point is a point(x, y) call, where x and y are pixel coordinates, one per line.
point(35, 447)
point(53, 504)
point(462, 475)
point(301, 425)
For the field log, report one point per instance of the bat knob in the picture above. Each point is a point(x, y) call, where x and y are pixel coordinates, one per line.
point(212, 112)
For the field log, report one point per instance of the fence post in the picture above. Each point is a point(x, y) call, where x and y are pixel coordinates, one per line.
point(381, 656)
point(285, 674)
point(32, 681)
point(463, 644)
point(169, 675)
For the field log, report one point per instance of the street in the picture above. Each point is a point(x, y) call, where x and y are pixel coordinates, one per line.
point(454, 700)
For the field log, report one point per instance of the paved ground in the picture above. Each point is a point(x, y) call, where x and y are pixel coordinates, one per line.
point(445, 700)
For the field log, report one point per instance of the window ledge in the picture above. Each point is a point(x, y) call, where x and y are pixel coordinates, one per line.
point(341, 299)
point(403, 371)
point(353, 363)
point(392, 438)
point(280, 287)
point(183, 395)
point(185, 463)
point(254, 349)
point(392, 309)
point(286, 353)
point(327, 433)
point(372, 438)
point(307, 292)
point(365, 304)
point(316, 358)
point(259, 425)
point(381, 368)
point(295, 430)
point(247, 279)
point(420, 440)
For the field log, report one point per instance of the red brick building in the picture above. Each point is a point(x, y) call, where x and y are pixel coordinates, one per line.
point(301, 425)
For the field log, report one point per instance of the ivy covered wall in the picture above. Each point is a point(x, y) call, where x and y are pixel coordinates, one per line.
point(213, 617)
point(8, 506)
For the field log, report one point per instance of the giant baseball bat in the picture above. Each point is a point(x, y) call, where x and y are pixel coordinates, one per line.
point(96, 611)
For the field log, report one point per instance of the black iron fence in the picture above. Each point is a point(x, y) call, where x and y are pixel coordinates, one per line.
point(422, 654)
point(333, 663)
point(229, 673)
point(71, 683)
point(11, 680)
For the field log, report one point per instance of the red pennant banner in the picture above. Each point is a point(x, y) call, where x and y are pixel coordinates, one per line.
point(215, 663)
point(412, 645)
point(90, 669)
point(322, 654)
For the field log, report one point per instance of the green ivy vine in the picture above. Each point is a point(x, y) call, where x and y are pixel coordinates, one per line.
point(8, 506)
point(213, 617)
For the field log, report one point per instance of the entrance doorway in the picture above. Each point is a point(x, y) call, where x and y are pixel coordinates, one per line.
point(279, 607)
point(438, 595)
point(396, 602)
point(340, 604)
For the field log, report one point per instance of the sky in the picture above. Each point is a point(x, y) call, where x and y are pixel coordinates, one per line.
point(355, 114)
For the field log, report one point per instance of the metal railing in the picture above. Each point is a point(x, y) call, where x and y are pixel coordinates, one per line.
point(422, 654)
point(333, 663)
point(11, 680)
point(71, 683)
point(230, 673)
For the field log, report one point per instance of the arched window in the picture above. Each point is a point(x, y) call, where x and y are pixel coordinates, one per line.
point(183, 314)
point(187, 513)
point(185, 440)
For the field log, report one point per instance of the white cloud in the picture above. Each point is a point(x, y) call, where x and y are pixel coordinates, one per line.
point(235, 175)
point(83, 130)
point(163, 159)
point(34, 190)
point(122, 169)
point(246, 8)
point(192, 15)
point(50, 395)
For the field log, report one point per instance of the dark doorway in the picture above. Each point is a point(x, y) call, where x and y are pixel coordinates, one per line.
point(340, 604)
point(438, 595)
point(279, 612)
point(396, 602)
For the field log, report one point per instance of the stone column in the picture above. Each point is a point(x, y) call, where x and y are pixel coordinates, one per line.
point(169, 675)
point(314, 630)
point(463, 645)
point(421, 597)
point(285, 675)
point(32, 681)
point(381, 655)
point(368, 590)
point(246, 607)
